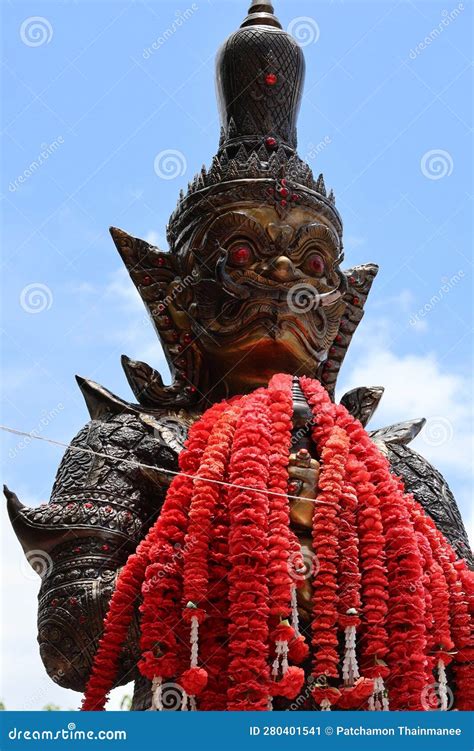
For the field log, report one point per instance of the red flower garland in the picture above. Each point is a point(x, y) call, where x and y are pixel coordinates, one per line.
point(281, 411)
point(326, 548)
point(383, 568)
point(248, 557)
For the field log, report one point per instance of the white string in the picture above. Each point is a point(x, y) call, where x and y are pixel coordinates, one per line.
point(132, 463)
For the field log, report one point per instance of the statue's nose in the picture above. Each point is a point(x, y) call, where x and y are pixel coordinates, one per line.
point(282, 269)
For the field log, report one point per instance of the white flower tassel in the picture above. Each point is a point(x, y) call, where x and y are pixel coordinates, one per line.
point(442, 687)
point(270, 704)
point(194, 639)
point(350, 668)
point(281, 659)
point(156, 695)
point(294, 611)
point(378, 701)
point(184, 702)
point(325, 705)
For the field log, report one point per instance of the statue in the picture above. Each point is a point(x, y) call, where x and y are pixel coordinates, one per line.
point(252, 286)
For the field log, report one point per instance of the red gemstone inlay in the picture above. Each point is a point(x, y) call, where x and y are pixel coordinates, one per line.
point(76, 550)
point(283, 181)
point(73, 601)
point(108, 509)
point(271, 79)
point(271, 142)
point(147, 280)
point(105, 547)
point(283, 202)
point(54, 603)
point(192, 389)
point(88, 505)
point(355, 300)
point(159, 261)
point(187, 338)
point(240, 256)
point(295, 197)
point(293, 486)
point(338, 339)
point(284, 192)
point(352, 280)
point(317, 265)
point(166, 320)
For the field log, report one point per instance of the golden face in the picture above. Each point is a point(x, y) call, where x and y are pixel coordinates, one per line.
point(269, 296)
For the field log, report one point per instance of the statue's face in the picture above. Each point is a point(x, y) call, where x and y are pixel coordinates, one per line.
point(270, 291)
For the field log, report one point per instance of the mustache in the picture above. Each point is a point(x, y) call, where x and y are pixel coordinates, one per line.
point(252, 284)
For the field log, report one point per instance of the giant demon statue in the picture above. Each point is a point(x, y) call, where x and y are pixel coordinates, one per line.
point(252, 286)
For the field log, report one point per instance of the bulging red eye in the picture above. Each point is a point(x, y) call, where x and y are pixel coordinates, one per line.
point(240, 255)
point(316, 265)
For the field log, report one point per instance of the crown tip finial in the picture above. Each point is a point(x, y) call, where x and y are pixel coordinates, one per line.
point(261, 14)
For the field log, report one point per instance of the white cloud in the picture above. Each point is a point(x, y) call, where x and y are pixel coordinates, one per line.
point(354, 241)
point(122, 292)
point(403, 301)
point(25, 684)
point(419, 386)
point(156, 239)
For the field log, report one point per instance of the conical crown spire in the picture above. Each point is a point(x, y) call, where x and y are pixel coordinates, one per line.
point(261, 14)
point(260, 75)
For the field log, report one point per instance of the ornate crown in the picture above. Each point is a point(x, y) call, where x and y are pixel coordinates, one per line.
point(260, 72)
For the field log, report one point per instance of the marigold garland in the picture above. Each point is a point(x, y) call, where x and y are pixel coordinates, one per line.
point(216, 575)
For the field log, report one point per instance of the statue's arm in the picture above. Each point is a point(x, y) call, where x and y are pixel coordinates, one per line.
point(102, 505)
point(432, 491)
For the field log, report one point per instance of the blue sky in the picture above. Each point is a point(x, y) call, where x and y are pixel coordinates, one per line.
point(387, 98)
